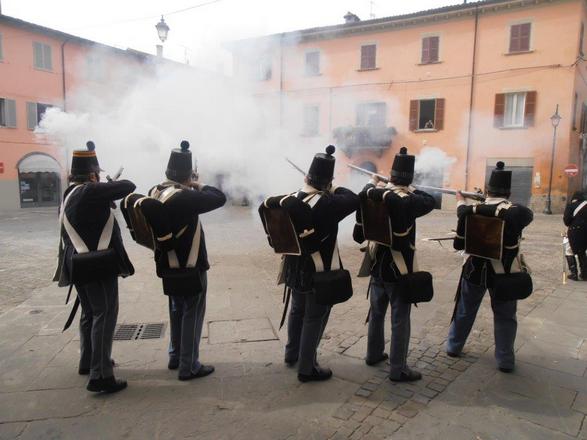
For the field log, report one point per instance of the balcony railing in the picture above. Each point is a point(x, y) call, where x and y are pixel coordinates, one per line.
point(354, 139)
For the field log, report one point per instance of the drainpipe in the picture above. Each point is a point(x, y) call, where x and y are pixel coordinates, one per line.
point(280, 83)
point(63, 73)
point(473, 71)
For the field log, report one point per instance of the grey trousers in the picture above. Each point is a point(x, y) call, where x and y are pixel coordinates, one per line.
point(305, 326)
point(505, 324)
point(186, 318)
point(99, 301)
point(380, 297)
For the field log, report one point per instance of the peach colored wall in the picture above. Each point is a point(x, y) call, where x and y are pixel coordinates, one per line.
point(21, 81)
point(400, 78)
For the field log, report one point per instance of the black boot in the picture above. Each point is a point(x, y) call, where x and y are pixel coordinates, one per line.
point(318, 374)
point(106, 385)
point(572, 263)
point(583, 265)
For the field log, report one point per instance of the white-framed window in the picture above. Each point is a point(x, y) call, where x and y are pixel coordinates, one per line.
point(520, 37)
point(35, 112)
point(42, 57)
point(7, 113)
point(312, 63)
point(311, 120)
point(1, 48)
point(264, 72)
point(515, 105)
point(368, 56)
point(95, 68)
point(371, 114)
point(430, 49)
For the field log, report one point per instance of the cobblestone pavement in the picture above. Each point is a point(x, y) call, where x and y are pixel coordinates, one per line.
point(252, 394)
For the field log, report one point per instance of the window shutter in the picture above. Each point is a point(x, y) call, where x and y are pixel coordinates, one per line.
point(1, 51)
point(433, 49)
point(499, 110)
point(439, 114)
point(368, 54)
point(31, 115)
point(525, 36)
point(10, 112)
point(425, 50)
point(581, 36)
point(414, 115)
point(530, 109)
point(47, 61)
point(38, 55)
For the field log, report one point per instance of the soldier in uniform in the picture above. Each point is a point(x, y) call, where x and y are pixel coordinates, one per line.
point(84, 214)
point(325, 206)
point(575, 218)
point(404, 205)
point(479, 273)
point(181, 258)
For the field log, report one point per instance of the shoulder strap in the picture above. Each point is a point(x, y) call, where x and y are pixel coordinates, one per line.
point(78, 243)
point(579, 208)
point(194, 250)
point(334, 263)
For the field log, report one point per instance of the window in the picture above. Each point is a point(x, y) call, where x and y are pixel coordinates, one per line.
point(264, 72)
point(313, 63)
point(427, 114)
point(42, 56)
point(311, 120)
point(514, 110)
point(520, 37)
point(95, 70)
point(7, 113)
point(35, 112)
point(368, 56)
point(430, 50)
point(371, 114)
point(1, 50)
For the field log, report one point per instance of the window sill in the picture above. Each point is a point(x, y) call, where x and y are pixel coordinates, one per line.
point(514, 127)
point(427, 64)
point(43, 70)
point(425, 130)
point(520, 52)
point(368, 69)
point(7, 126)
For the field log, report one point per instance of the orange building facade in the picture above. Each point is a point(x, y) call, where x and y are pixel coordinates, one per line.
point(479, 81)
point(41, 68)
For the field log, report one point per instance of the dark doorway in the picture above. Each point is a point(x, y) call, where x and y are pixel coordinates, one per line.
point(521, 183)
point(39, 189)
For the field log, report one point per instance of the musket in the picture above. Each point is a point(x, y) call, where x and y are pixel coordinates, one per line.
point(470, 195)
point(116, 176)
point(295, 166)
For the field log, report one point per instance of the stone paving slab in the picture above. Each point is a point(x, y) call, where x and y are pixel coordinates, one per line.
point(253, 394)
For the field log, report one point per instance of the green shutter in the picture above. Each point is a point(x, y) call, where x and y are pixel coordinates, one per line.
point(47, 59)
point(31, 115)
point(10, 113)
point(37, 55)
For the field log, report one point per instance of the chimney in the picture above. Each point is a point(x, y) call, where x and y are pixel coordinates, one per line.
point(159, 51)
point(351, 18)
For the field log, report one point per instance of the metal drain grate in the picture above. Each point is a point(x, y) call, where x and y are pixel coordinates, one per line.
point(132, 332)
point(152, 331)
point(126, 332)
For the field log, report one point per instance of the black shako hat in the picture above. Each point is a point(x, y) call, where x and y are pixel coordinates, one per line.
point(179, 167)
point(403, 166)
point(84, 162)
point(321, 170)
point(500, 181)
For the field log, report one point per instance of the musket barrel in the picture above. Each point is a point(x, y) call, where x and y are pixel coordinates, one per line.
point(466, 194)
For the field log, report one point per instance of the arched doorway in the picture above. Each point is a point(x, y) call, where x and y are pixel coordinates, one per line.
point(39, 180)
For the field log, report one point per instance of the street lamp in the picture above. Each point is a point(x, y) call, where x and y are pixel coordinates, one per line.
point(162, 31)
point(555, 120)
